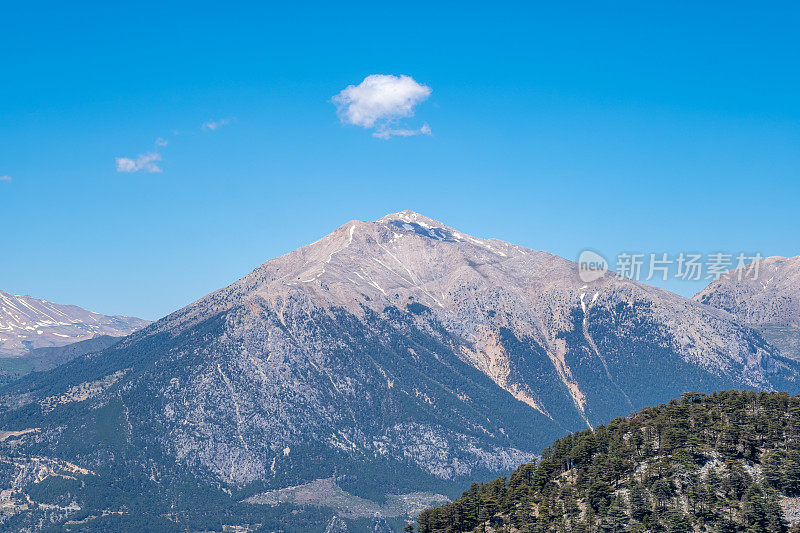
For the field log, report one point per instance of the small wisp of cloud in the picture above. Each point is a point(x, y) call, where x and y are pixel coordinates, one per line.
point(214, 125)
point(388, 133)
point(6, 178)
point(379, 102)
point(149, 162)
point(144, 162)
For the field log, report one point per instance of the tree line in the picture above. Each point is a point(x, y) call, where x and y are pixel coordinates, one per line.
point(719, 462)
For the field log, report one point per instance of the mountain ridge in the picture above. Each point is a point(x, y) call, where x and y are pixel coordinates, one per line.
point(396, 356)
point(767, 299)
point(27, 323)
point(305, 269)
point(41, 359)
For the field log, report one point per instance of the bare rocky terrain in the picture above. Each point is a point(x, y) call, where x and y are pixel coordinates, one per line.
point(326, 493)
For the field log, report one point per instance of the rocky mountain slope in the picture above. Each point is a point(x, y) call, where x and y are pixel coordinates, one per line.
point(27, 323)
point(766, 298)
point(725, 462)
point(399, 357)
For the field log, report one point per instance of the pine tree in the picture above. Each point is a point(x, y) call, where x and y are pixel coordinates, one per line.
point(676, 521)
point(597, 493)
point(615, 517)
point(662, 491)
point(640, 503)
point(774, 520)
point(772, 468)
point(754, 513)
point(790, 477)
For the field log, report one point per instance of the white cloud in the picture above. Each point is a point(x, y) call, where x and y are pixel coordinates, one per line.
point(161, 142)
point(144, 162)
point(379, 101)
point(216, 124)
point(6, 178)
point(387, 133)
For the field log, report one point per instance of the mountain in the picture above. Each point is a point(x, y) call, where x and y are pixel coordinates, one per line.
point(41, 359)
point(27, 323)
point(725, 462)
point(389, 362)
point(766, 297)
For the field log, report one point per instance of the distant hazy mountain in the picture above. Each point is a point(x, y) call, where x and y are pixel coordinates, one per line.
point(769, 303)
point(41, 359)
point(391, 357)
point(27, 323)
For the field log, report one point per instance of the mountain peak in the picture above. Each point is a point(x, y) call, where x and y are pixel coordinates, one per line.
point(411, 221)
point(399, 353)
point(411, 217)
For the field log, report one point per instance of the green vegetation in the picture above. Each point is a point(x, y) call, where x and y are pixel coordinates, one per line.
point(41, 359)
point(718, 463)
point(12, 368)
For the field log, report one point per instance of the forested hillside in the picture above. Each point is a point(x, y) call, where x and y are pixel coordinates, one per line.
point(724, 462)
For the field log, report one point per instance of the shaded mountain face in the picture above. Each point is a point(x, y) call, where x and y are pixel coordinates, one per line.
point(27, 323)
point(41, 359)
point(768, 299)
point(392, 356)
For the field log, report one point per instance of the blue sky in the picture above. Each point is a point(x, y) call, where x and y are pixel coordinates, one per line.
point(652, 127)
